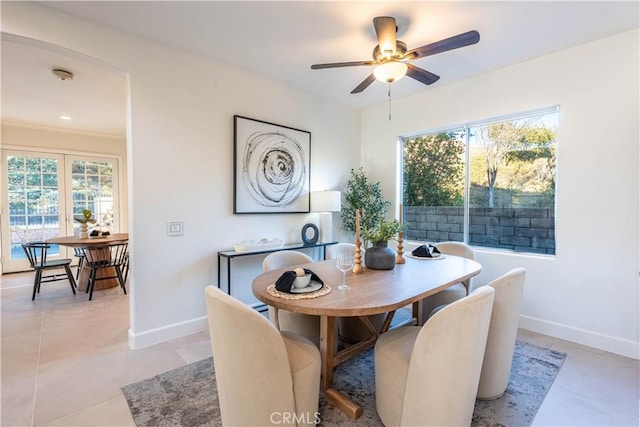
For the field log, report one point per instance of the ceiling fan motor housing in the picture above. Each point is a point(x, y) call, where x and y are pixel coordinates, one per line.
point(401, 51)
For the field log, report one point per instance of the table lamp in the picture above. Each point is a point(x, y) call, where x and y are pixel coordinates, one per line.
point(326, 202)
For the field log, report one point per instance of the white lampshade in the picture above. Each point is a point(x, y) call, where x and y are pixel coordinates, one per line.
point(326, 201)
point(389, 72)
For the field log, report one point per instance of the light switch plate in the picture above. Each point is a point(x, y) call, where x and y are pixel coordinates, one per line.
point(175, 228)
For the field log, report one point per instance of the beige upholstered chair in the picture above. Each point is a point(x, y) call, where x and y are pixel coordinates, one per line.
point(428, 376)
point(301, 324)
point(502, 334)
point(262, 375)
point(452, 293)
point(334, 250)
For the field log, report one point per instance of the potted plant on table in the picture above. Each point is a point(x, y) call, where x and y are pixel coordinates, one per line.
point(376, 230)
point(85, 220)
point(379, 256)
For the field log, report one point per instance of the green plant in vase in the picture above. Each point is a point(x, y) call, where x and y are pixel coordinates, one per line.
point(379, 256)
point(85, 220)
point(382, 232)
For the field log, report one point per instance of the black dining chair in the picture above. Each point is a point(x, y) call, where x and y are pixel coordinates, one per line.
point(37, 255)
point(110, 259)
point(125, 267)
point(78, 253)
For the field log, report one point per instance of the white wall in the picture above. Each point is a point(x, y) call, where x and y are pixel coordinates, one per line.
point(180, 151)
point(588, 292)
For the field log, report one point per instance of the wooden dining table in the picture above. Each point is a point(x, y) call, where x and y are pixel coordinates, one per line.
point(76, 242)
point(372, 292)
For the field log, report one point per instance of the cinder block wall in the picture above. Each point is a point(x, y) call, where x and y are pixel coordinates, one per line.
point(518, 229)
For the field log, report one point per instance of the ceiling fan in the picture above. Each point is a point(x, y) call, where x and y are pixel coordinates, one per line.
point(391, 58)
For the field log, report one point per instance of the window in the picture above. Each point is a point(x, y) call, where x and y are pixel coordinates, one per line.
point(489, 184)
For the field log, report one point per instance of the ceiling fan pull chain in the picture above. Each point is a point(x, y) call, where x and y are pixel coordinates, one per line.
point(389, 95)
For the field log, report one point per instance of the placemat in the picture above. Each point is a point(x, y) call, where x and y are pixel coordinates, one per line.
point(271, 290)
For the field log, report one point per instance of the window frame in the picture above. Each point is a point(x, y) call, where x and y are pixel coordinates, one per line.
point(466, 127)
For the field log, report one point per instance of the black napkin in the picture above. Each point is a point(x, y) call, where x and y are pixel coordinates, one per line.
point(285, 282)
point(426, 251)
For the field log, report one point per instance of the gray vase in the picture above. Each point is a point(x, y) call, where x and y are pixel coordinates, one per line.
point(380, 257)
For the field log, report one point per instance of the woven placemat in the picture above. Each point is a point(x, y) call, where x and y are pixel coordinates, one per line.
point(271, 290)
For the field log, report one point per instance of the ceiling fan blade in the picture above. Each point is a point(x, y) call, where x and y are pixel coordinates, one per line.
point(365, 84)
point(454, 42)
point(423, 76)
point(341, 64)
point(386, 31)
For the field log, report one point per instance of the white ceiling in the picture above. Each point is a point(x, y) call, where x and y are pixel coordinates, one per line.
point(280, 40)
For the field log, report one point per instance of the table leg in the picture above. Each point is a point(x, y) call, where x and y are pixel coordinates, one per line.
point(327, 344)
point(417, 312)
point(219, 259)
point(229, 276)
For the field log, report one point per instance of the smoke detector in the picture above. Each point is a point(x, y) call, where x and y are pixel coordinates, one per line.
point(63, 75)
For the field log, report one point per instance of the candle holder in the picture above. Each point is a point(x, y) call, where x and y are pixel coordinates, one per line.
point(357, 260)
point(400, 250)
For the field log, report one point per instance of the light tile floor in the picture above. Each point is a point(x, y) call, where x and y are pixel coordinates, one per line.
point(64, 360)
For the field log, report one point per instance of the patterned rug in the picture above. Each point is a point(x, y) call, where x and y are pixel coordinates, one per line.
point(187, 396)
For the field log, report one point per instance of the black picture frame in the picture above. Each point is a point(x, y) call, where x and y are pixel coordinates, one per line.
point(271, 167)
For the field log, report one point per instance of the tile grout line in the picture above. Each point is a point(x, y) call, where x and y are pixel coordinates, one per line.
point(35, 385)
point(178, 352)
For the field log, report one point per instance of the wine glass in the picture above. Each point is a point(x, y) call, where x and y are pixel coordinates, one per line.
point(344, 264)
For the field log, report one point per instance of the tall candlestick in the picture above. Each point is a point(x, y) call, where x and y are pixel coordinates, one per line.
point(357, 225)
point(400, 214)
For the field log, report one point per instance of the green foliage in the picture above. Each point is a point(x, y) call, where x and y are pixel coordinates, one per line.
point(434, 170)
point(366, 196)
point(86, 217)
point(382, 232)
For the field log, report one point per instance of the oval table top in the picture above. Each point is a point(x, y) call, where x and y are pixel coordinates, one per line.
point(75, 241)
point(373, 291)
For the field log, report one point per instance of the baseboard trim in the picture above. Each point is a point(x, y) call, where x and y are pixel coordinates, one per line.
point(166, 333)
point(608, 343)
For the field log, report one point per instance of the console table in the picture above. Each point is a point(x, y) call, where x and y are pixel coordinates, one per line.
point(230, 254)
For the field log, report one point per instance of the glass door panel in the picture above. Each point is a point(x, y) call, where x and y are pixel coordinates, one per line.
point(94, 186)
point(31, 204)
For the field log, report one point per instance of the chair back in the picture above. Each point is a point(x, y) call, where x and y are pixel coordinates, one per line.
point(36, 253)
point(113, 255)
point(282, 259)
point(456, 248)
point(251, 363)
point(304, 326)
point(502, 334)
point(334, 250)
point(445, 363)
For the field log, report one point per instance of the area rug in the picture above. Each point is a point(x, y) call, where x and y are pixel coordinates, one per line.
point(187, 396)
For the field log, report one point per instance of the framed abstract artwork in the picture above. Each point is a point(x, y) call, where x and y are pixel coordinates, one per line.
point(271, 169)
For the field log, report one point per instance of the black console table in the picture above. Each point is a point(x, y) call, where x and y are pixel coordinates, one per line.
point(229, 255)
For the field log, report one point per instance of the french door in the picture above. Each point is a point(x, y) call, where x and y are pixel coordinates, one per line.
point(43, 192)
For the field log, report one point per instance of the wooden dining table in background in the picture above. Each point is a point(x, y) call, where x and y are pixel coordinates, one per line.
point(372, 292)
point(76, 242)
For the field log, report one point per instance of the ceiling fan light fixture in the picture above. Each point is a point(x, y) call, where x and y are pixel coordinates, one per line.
point(389, 72)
